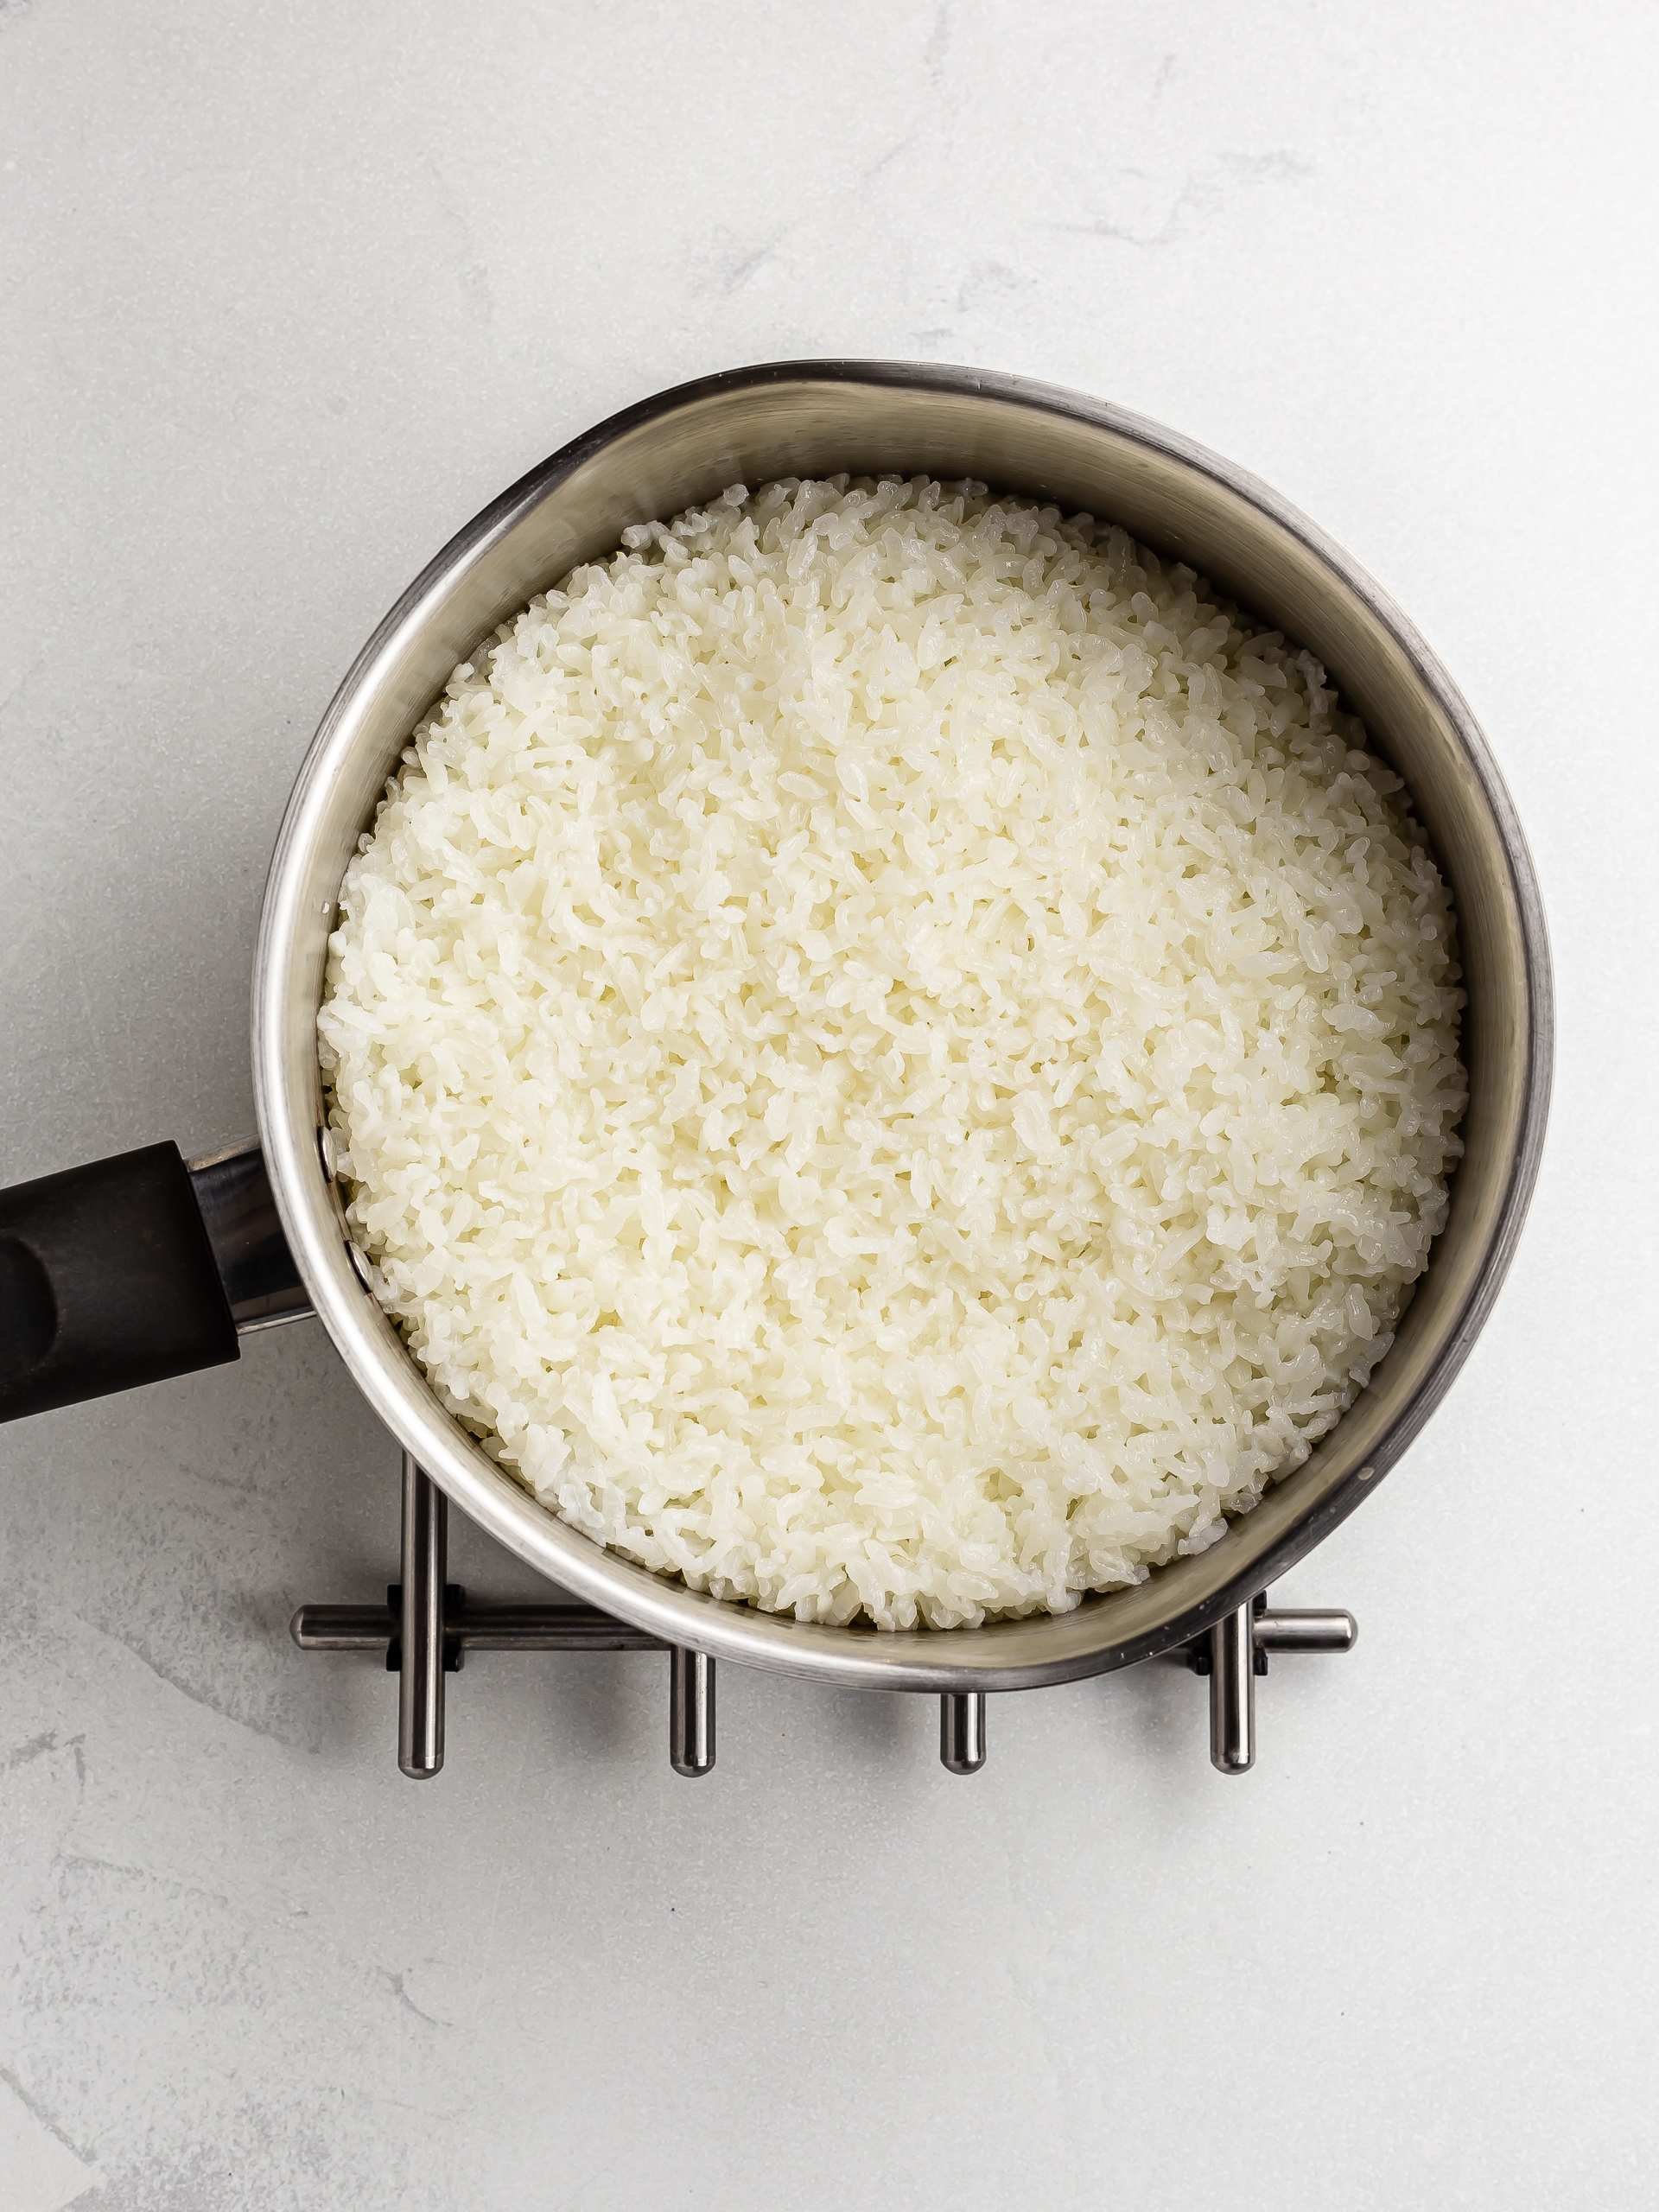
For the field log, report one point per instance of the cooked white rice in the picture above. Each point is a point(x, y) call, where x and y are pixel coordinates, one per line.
point(890, 1056)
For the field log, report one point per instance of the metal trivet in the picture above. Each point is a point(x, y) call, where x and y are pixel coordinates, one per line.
point(428, 1624)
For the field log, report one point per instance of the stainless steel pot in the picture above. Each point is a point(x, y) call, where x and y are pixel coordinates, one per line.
point(816, 419)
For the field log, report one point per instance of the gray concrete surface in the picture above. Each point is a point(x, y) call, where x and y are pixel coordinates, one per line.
point(289, 292)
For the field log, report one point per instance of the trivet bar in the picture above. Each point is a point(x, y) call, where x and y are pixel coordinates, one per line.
point(691, 1711)
point(962, 1731)
point(427, 1626)
point(1235, 1651)
point(420, 1634)
point(1307, 1631)
point(1232, 1693)
point(472, 1627)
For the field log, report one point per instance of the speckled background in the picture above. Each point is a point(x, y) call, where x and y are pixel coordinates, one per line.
point(289, 291)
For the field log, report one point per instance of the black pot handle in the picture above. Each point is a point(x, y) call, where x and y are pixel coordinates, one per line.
point(134, 1268)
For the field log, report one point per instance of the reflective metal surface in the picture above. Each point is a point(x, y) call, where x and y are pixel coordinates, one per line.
point(469, 1627)
point(1306, 1632)
point(816, 419)
point(1235, 1651)
point(420, 1635)
point(962, 1731)
point(239, 1214)
point(1232, 1693)
point(691, 1711)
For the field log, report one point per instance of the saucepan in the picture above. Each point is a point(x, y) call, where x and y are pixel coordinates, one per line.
point(139, 1268)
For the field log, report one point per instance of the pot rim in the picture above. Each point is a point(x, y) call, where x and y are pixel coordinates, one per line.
point(283, 1035)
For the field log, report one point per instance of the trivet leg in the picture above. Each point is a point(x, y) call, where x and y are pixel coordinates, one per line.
point(1232, 1692)
point(420, 1675)
point(691, 1711)
point(962, 1732)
